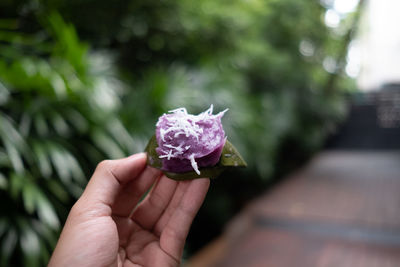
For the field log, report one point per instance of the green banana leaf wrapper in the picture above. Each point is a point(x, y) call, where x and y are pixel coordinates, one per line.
point(230, 158)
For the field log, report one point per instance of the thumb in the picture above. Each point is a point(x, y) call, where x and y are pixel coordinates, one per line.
point(109, 177)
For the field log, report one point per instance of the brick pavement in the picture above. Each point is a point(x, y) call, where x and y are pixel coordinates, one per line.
point(342, 209)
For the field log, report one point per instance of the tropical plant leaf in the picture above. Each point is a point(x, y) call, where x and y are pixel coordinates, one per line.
point(41, 125)
point(76, 119)
point(42, 158)
point(57, 189)
point(4, 94)
point(15, 157)
point(28, 196)
point(119, 133)
point(230, 158)
point(58, 159)
point(73, 165)
point(107, 144)
point(30, 245)
point(17, 182)
point(59, 124)
point(3, 182)
point(46, 233)
point(46, 211)
point(8, 245)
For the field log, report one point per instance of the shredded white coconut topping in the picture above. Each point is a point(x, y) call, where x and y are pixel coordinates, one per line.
point(194, 164)
point(183, 123)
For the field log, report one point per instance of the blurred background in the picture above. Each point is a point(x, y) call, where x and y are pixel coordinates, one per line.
point(82, 81)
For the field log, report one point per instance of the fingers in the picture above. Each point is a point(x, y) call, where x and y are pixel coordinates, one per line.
point(173, 236)
point(109, 177)
point(131, 193)
point(153, 206)
point(172, 206)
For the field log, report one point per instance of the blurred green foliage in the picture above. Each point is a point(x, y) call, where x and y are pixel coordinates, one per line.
point(90, 84)
point(57, 120)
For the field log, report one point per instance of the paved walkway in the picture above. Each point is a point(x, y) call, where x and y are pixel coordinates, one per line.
point(343, 209)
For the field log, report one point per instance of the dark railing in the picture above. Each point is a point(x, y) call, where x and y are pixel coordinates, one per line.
point(373, 122)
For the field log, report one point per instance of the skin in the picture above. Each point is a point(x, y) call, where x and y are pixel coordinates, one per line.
point(108, 226)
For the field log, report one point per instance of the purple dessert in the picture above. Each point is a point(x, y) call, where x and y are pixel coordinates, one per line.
point(187, 142)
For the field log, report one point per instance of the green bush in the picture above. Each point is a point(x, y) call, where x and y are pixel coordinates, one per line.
point(57, 120)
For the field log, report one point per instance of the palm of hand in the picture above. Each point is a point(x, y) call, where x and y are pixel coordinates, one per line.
point(140, 247)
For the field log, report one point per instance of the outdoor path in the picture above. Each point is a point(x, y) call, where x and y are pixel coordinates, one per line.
point(342, 209)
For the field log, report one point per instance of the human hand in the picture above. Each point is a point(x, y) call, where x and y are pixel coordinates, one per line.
point(107, 226)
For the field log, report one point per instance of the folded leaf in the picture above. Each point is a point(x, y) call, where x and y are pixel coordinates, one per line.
point(230, 158)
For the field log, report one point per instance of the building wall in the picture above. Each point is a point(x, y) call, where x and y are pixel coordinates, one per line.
point(379, 44)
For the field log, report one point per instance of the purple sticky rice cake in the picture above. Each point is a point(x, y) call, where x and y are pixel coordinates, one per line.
point(188, 142)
